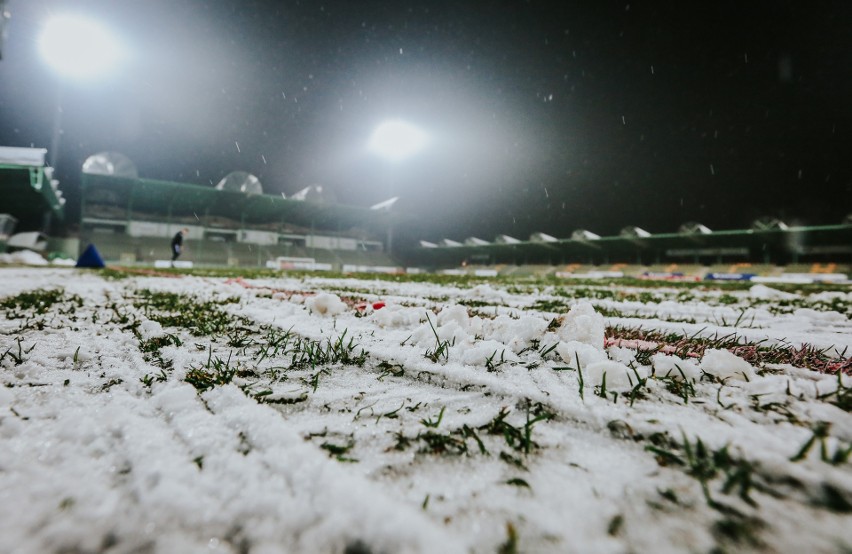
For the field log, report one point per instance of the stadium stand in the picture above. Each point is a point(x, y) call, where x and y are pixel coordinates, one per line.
point(30, 195)
point(772, 244)
point(132, 221)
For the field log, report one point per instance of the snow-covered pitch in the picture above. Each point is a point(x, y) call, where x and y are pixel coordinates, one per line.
point(150, 413)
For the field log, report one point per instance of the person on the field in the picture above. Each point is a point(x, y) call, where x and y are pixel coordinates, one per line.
point(177, 244)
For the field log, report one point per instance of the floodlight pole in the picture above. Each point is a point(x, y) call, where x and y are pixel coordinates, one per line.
point(390, 216)
point(60, 44)
point(56, 138)
point(395, 141)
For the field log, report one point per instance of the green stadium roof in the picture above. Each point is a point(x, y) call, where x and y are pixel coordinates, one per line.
point(189, 200)
point(830, 239)
point(27, 194)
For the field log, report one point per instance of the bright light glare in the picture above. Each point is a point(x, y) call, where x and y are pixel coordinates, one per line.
point(78, 47)
point(397, 140)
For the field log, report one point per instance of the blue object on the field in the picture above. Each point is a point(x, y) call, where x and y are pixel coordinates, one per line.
point(90, 258)
point(730, 276)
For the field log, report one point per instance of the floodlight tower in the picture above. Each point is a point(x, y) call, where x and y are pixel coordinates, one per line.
point(396, 141)
point(78, 49)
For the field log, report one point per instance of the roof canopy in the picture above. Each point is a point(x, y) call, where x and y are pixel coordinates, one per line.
point(831, 239)
point(166, 198)
point(27, 190)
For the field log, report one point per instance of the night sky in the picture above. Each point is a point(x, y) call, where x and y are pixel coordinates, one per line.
point(542, 116)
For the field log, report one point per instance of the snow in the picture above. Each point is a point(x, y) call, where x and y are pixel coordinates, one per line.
point(764, 292)
point(325, 304)
point(675, 367)
point(574, 353)
point(106, 446)
point(583, 324)
point(23, 257)
point(724, 365)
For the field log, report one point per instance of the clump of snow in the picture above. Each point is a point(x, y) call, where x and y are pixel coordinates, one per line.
point(723, 365)
point(820, 317)
point(487, 293)
point(452, 327)
point(6, 397)
point(572, 351)
point(770, 385)
point(452, 332)
point(583, 324)
point(150, 329)
point(830, 296)
point(763, 292)
point(617, 375)
point(517, 334)
point(77, 353)
point(455, 313)
point(23, 257)
point(325, 304)
point(63, 262)
point(675, 367)
point(397, 316)
point(622, 355)
point(487, 351)
point(176, 398)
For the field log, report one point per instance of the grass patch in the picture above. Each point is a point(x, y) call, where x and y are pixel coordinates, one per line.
point(707, 465)
point(183, 311)
point(28, 303)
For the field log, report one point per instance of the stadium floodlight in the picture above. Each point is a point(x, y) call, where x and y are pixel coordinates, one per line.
point(397, 140)
point(78, 47)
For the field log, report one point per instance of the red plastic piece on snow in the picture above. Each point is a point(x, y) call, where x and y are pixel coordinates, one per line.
point(378, 305)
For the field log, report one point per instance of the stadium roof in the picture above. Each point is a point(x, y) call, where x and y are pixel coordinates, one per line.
point(182, 200)
point(26, 187)
point(825, 239)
